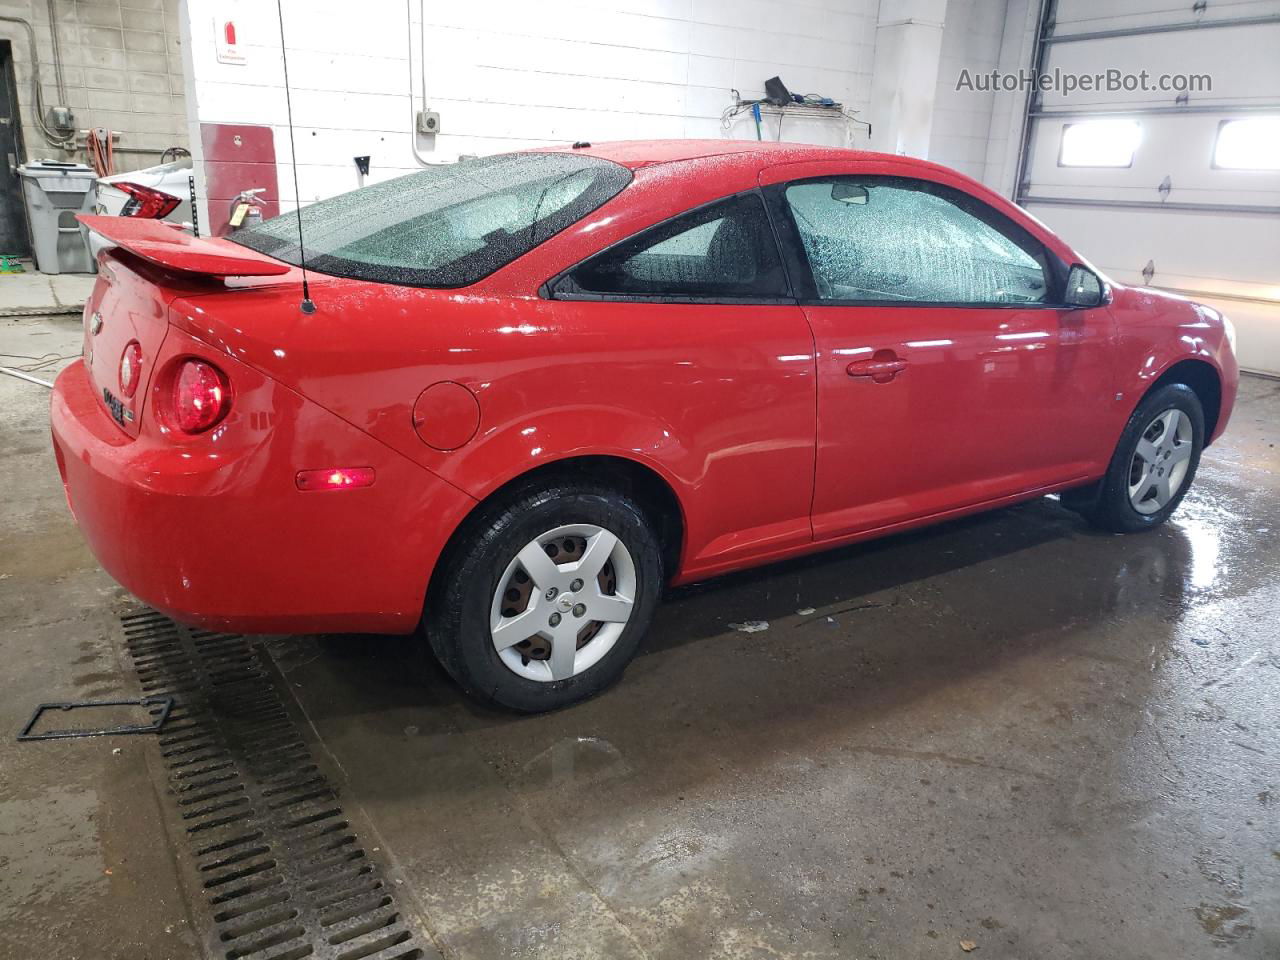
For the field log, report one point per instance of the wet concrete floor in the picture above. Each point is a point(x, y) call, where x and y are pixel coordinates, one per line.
point(1009, 732)
point(84, 868)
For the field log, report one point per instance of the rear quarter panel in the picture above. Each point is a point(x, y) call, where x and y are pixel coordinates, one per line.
point(717, 400)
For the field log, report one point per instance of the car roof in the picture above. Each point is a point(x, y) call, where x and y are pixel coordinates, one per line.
point(643, 153)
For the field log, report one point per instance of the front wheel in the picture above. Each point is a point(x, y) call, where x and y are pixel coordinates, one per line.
point(1153, 465)
point(545, 601)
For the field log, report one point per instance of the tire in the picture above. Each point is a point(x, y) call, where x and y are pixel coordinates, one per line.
point(1112, 505)
point(465, 612)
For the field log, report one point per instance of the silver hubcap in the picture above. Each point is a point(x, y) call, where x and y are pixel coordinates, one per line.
point(1160, 463)
point(562, 602)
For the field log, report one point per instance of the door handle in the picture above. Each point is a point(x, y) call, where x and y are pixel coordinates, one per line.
point(881, 367)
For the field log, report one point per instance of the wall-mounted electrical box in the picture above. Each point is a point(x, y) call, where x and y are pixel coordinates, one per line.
point(428, 121)
point(60, 119)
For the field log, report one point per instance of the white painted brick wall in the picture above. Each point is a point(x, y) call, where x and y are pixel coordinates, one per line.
point(121, 68)
point(505, 74)
point(1004, 142)
point(962, 118)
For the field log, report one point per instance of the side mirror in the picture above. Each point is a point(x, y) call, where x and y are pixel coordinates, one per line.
point(1084, 288)
point(849, 193)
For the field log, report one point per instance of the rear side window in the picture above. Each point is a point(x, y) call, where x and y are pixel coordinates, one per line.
point(893, 239)
point(447, 226)
point(723, 251)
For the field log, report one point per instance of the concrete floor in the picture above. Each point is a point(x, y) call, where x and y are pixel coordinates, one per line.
point(1010, 731)
point(31, 293)
point(84, 871)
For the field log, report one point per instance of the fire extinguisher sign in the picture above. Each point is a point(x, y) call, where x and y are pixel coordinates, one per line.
point(225, 38)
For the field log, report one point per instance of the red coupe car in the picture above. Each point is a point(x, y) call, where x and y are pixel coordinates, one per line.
point(537, 387)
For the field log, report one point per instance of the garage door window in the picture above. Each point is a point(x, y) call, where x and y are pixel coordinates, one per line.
point(1249, 144)
point(1100, 143)
point(724, 251)
point(890, 239)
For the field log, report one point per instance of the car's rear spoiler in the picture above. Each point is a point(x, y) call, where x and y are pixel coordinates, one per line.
point(166, 245)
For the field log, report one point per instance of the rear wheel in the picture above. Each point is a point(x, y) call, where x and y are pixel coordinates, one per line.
point(545, 600)
point(1153, 465)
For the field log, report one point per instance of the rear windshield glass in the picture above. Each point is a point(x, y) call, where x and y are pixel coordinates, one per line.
point(447, 226)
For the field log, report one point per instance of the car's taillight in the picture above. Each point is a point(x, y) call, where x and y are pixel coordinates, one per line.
point(145, 202)
point(130, 369)
point(201, 396)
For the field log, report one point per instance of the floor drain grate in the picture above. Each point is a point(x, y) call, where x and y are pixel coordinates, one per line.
point(276, 859)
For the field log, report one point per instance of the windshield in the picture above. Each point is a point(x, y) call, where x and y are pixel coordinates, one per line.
point(447, 226)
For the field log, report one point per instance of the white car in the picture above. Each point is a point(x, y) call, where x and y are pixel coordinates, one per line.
point(162, 192)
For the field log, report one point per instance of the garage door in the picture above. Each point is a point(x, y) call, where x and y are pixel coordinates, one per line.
point(1176, 185)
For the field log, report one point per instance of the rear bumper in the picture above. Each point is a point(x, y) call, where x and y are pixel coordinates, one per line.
point(212, 530)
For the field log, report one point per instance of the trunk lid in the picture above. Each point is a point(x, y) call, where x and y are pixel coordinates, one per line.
point(125, 306)
point(154, 264)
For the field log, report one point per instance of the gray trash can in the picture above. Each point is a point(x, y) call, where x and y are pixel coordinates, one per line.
point(55, 192)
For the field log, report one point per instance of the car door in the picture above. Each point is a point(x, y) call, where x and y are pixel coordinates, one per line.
point(949, 375)
point(698, 327)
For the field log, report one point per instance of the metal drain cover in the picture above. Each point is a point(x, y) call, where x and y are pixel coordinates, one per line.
point(274, 857)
